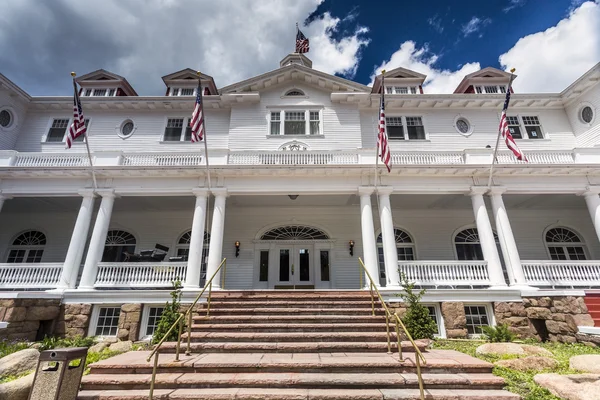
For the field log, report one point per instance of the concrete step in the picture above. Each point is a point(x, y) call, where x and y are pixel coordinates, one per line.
point(298, 394)
point(288, 347)
point(343, 303)
point(307, 327)
point(295, 337)
point(290, 380)
point(285, 319)
point(295, 311)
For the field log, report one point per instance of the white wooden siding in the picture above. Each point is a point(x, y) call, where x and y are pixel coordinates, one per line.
point(588, 135)
point(8, 138)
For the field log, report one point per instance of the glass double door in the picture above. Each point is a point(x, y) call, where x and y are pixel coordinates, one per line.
point(295, 265)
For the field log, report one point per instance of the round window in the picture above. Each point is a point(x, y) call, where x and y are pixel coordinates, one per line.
point(463, 125)
point(127, 128)
point(587, 114)
point(5, 118)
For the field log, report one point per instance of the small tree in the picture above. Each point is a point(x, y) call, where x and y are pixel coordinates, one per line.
point(500, 333)
point(417, 320)
point(169, 316)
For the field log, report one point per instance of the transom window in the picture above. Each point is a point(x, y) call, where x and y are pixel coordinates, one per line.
point(564, 244)
point(28, 247)
point(405, 248)
point(477, 317)
point(294, 232)
point(119, 244)
point(58, 130)
point(108, 321)
point(468, 245)
point(295, 122)
point(295, 92)
point(401, 90)
point(414, 128)
point(175, 132)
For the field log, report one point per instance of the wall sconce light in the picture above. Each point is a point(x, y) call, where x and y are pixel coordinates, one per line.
point(351, 247)
point(237, 249)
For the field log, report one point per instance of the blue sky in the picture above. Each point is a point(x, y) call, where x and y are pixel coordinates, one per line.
point(550, 42)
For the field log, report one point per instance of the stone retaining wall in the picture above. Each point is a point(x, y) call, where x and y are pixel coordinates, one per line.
point(129, 322)
point(24, 316)
point(74, 320)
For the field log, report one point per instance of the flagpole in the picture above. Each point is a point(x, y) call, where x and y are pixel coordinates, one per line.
point(87, 147)
point(205, 145)
point(489, 185)
point(377, 142)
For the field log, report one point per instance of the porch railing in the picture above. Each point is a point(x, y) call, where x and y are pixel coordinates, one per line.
point(293, 158)
point(446, 273)
point(428, 158)
point(30, 276)
point(538, 157)
point(162, 159)
point(124, 275)
point(562, 273)
point(51, 160)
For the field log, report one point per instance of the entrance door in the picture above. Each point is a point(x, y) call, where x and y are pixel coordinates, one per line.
point(295, 266)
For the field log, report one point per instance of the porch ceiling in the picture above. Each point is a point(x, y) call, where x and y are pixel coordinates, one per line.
point(300, 201)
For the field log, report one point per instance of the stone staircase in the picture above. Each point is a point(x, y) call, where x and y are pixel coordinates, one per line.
point(592, 301)
point(283, 345)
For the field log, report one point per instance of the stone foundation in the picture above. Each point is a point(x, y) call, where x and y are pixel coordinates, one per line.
point(129, 322)
point(74, 320)
point(25, 315)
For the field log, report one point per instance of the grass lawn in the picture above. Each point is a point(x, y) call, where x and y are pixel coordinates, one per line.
point(522, 382)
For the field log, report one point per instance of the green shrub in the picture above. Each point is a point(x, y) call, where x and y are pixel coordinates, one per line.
point(498, 333)
point(169, 316)
point(8, 347)
point(52, 342)
point(417, 320)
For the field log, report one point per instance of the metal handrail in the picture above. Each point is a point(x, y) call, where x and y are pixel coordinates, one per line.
point(399, 324)
point(179, 323)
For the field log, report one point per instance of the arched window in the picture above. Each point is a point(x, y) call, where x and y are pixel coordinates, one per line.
point(294, 232)
point(28, 247)
point(294, 92)
point(468, 246)
point(183, 245)
point(564, 244)
point(118, 245)
point(404, 246)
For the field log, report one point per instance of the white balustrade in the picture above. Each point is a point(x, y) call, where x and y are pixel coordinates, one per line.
point(293, 158)
point(30, 276)
point(446, 273)
point(140, 274)
point(51, 160)
point(562, 273)
point(538, 157)
point(428, 158)
point(162, 159)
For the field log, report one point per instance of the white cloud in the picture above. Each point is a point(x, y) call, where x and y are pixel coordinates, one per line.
point(421, 60)
point(143, 40)
point(513, 4)
point(436, 23)
point(474, 25)
point(549, 61)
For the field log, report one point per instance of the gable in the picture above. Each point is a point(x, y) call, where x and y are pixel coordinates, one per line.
point(399, 76)
point(189, 77)
point(100, 75)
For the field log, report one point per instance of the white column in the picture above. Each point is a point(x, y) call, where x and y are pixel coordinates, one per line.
point(390, 252)
point(593, 204)
point(486, 237)
point(194, 263)
point(368, 235)
point(507, 239)
point(68, 277)
point(215, 249)
point(98, 240)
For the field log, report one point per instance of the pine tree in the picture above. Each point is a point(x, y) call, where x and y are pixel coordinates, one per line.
point(169, 316)
point(417, 320)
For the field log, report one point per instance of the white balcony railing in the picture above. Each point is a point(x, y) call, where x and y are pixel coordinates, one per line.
point(293, 158)
point(562, 273)
point(30, 276)
point(538, 157)
point(428, 158)
point(51, 160)
point(147, 275)
point(162, 159)
point(446, 273)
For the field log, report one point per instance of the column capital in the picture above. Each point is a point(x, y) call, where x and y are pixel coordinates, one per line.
point(87, 193)
point(385, 190)
point(478, 190)
point(497, 190)
point(108, 193)
point(200, 192)
point(365, 190)
point(592, 190)
point(219, 192)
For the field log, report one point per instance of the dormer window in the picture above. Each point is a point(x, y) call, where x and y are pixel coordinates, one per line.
point(401, 90)
point(100, 92)
point(295, 92)
point(176, 91)
point(490, 89)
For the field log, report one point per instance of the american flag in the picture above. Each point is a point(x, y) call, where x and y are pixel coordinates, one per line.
point(382, 137)
point(197, 122)
point(301, 42)
point(77, 128)
point(510, 142)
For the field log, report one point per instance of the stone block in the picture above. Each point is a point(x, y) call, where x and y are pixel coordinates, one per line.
point(559, 317)
point(123, 334)
point(516, 321)
point(501, 307)
point(454, 315)
point(578, 320)
point(524, 332)
point(30, 326)
point(134, 332)
point(456, 333)
point(545, 302)
point(42, 313)
point(77, 321)
point(131, 308)
point(518, 309)
point(73, 332)
point(8, 303)
point(557, 327)
point(16, 314)
point(538, 313)
point(2, 313)
point(133, 316)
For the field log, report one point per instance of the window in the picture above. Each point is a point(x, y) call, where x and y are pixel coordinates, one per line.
point(564, 244)
point(175, 92)
point(435, 317)
point(275, 123)
point(174, 131)
point(28, 247)
point(295, 92)
point(127, 128)
point(478, 89)
point(463, 126)
point(187, 91)
point(57, 130)
point(587, 114)
point(88, 92)
point(314, 122)
point(100, 92)
point(108, 321)
point(404, 246)
point(295, 123)
point(294, 232)
point(415, 128)
point(514, 127)
point(154, 314)
point(467, 245)
point(5, 118)
point(491, 89)
point(401, 90)
point(119, 244)
point(324, 265)
point(502, 89)
point(477, 317)
point(183, 250)
point(394, 127)
point(413, 90)
point(182, 91)
point(111, 92)
point(533, 127)
point(263, 274)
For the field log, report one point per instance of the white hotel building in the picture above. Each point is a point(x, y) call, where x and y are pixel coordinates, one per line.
point(291, 155)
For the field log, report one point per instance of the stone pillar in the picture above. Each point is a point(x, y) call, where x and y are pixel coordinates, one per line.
point(194, 263)
point(593, 204)
point(390, 252)
point(68, 277)
point(98, 240)
point(486, 237)
point(215, 249)
point(368, 235)
point(507, 239)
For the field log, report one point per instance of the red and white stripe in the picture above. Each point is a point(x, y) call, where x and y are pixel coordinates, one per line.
point(382, 138)
point(197, 122)
point(507, 136)
point(77, 128)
